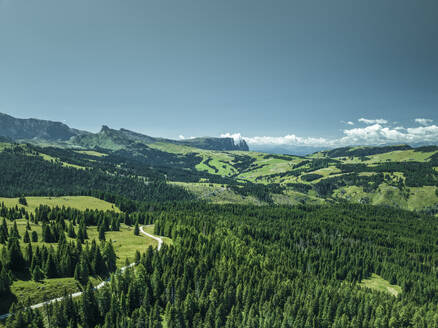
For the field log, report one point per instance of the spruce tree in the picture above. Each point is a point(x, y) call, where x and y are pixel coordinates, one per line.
point(34, 236)
point(50, 267)
point(136, 229)
point(5, 282)
point(26, 237)
point(37, 273)
point(22, 200)
point(15, 256)
point(89, 308)
point(101, 232)
point(71, 231)
point(109, 256)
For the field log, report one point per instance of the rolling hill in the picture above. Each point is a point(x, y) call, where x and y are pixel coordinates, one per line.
point(217, 170)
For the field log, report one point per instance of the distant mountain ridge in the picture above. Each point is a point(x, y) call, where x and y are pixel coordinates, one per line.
point(31, 128)
point(35, 130)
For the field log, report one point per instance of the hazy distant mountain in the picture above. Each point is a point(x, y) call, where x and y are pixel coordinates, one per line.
point(27, 129)
point(118, 139)
point(37, 131)
point(286, 149)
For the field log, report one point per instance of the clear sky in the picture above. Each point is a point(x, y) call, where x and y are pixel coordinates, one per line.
point(271, 69)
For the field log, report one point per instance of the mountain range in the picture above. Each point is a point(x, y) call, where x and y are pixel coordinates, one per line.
point(46, 132)
point(219, 170)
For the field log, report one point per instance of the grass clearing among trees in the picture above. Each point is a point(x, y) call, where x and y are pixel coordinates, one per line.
point(78, 202)
point(378, 283)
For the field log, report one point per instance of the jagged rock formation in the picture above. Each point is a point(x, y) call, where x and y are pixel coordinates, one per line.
point(34, 130)
point(25, 129)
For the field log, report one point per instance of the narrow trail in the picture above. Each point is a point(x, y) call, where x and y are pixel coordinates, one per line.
point(103, 283)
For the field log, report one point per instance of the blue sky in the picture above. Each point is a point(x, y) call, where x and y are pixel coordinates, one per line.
point(264, 70)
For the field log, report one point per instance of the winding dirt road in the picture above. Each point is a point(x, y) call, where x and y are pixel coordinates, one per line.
point(103, 283)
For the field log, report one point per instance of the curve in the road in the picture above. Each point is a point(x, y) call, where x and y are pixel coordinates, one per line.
point(103, 283)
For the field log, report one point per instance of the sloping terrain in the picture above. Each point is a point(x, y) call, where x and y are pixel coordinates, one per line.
point(216, 169)
point(49, 133)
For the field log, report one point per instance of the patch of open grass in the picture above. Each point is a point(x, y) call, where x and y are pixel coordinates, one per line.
point(378, 283)
point(78, 202)
point(91, 153)
point(125, 242)
point(421, 197)
point(216, 193)
point(125, 245)
point(37, 292)
point(150, 229)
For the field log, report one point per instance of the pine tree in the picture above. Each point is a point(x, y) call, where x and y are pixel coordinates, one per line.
point(22, 200)
point(89, 308)
point(101, 232)
point(37, 273)
point(5, 282)
point(136, 229)
point(50, 267)
point(34, 236)
point(26, 237)
point(15, 256)
point(4, 232)
point(71, 230)
point(15, 230)
point(109, 256)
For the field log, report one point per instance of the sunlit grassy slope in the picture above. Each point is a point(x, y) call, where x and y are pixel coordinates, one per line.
point(125, 244)
point(78, 202)
point(376, 282)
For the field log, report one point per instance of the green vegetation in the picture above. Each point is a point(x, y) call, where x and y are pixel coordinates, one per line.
point(91, 153)
point(151, 229)
point(378, 283)
point(281, 266)
point(64, 247)
point(217, 193)
point(47, 289)
point(77, 202)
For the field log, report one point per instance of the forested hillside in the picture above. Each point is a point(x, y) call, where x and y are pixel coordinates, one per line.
point(336, 264)
point(240, 266)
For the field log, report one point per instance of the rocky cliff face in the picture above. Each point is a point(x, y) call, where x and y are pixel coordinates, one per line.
point(24, 129)
point(216, 143)
point(40, 130)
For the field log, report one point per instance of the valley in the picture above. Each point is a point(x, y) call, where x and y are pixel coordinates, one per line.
point(282, 239)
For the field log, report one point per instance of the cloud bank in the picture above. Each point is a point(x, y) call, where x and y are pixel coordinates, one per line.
point(375, 132)
point(377, 121)
point(423, 121)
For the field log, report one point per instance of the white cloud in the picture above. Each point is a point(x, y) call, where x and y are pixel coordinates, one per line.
point(290, 139)
point(376, 121)
point(181, 137)
point(236, 136)
point(348, 122)
point(372, 134)
point(423, 121)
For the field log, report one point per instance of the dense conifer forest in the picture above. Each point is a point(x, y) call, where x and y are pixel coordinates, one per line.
point(244, 266)
point(229, 265)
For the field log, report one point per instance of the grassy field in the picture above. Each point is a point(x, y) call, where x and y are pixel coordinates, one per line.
point(78, 202)
point(91, 153)
point(393, 156)
point(217, 193)
point(291, 197)
point(125, 244)
point(124, 241)
point(378, 283)
point(37, 292)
